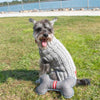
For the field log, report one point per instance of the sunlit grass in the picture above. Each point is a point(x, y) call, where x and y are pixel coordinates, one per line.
point(19, 57)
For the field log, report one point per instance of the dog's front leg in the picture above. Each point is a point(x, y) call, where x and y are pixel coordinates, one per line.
point(44, 68)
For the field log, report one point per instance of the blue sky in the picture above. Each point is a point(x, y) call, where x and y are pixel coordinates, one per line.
point(7, 0)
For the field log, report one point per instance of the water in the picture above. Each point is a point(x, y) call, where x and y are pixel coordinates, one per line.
point(53, 5)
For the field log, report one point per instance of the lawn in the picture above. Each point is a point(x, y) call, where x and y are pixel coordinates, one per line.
point(19, 57)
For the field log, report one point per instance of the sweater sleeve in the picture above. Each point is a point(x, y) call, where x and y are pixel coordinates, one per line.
point(47, 59)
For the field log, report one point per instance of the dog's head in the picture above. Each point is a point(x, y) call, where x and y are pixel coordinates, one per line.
point(43, 31)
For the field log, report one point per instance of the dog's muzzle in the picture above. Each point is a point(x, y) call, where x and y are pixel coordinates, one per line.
point(45, 35)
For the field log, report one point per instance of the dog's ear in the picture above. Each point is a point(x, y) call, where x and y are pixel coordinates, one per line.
point(53, 21)
point(32, 20)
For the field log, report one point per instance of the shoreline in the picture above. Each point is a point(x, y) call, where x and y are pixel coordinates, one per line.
point(50, 13)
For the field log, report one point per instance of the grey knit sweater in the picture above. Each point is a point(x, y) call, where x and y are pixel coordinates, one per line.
point(59, 59)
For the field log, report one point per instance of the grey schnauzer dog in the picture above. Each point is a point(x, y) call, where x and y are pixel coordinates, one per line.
point(54, 57)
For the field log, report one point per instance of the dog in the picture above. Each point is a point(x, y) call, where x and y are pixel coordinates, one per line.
point(55, 60)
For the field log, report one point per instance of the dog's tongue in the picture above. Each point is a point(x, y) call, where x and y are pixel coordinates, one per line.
point(44, 43)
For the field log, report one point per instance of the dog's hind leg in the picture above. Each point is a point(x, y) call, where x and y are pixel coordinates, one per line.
point(53, 75)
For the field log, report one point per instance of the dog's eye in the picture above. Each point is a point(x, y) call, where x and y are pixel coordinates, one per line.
point(38, 29)
point(49, 30)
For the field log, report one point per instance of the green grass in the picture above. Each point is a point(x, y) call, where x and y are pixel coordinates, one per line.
point(19, 57)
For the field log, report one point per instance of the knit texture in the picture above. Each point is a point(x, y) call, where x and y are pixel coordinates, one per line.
point(59, 59)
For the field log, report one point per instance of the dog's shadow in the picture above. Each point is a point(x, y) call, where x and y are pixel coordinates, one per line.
point(27, 75)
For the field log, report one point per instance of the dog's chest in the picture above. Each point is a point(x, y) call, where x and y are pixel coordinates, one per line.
point(54, 54)
point(48, 55)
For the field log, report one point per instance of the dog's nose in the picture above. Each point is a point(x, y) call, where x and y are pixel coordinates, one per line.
point(45, 35)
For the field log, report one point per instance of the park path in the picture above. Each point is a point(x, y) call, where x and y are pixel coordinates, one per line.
point(52, 13)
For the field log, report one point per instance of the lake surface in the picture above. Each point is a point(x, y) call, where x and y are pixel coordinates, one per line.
point(76, 4)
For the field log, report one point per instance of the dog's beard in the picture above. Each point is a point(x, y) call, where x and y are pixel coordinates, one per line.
point(43, 41)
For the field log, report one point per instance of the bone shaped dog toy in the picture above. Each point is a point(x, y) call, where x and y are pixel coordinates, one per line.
point(65, 86)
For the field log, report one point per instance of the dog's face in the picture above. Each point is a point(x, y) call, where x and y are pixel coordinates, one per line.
point(43, 32)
